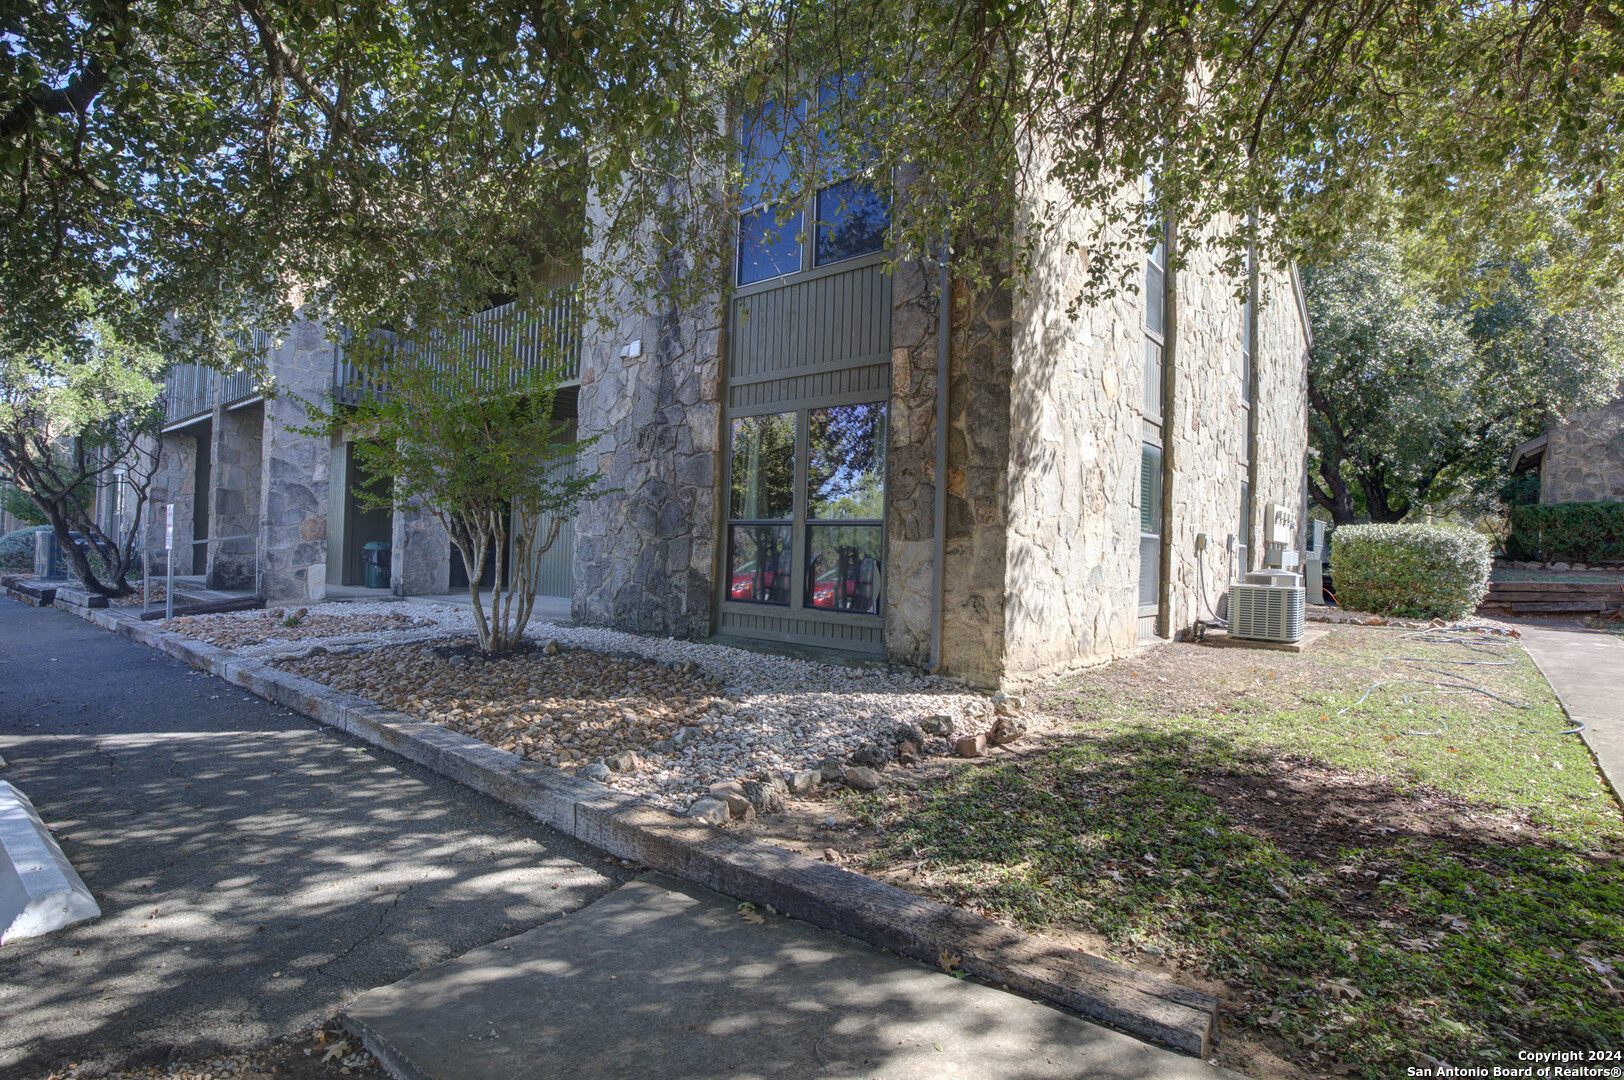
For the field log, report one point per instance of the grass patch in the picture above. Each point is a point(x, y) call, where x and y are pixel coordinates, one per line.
point(1366, 895)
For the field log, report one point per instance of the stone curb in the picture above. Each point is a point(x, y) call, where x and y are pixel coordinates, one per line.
point(39, 889)
point(819, 893)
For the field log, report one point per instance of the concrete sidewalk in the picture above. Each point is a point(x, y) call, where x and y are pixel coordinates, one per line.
point(662, 980)
point(255, 870)
point(1586, 669)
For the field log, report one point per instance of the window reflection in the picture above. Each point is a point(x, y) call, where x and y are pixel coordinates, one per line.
point(768, 247)
point(763, 467)
point(759, 561)
point(843, 568)
point(846, 462)
point(852, 220)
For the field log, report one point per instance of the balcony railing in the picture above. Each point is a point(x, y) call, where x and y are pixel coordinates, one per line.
point(549, 339)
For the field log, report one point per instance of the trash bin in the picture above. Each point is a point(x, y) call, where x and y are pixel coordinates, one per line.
point(376, 557)
point(48, 561)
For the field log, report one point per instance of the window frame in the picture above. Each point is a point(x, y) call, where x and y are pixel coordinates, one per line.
point(801, 523)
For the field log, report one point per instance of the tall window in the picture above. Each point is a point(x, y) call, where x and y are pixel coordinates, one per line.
point(837, 457)
point(845, 479)
point(761, 528)
point(850, 215)
point(1150, 528)
point(1243, 535)
point(769, 232)
point(1155, 327)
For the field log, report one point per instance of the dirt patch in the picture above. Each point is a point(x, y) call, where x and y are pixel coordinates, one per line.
point(326, 1053)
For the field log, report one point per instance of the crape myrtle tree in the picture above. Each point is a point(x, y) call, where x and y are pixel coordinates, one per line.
point(77, 413)
point(463, 426)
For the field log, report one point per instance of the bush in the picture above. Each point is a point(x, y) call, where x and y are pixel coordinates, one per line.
point(1416, 571)
point(17, 550)
point(1575, 531)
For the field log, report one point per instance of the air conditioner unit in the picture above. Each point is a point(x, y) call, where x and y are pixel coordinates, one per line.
point(1267, 606)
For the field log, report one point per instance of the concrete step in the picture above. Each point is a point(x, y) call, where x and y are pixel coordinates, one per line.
point(662, 980)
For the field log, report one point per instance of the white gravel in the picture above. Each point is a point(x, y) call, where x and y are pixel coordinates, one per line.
point(782, 714)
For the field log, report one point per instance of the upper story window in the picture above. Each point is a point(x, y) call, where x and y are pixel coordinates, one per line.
point(1248, 327)
point(1155, 325)
point(850, 215)
point(769, 232)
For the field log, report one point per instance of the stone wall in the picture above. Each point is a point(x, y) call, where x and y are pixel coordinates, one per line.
point(235, 468)
point(911, 465)
point(1077, 408)
point(1584, 457)
point(645, 556)
point(174, 483)
point(420, 555)
point(294, 495)
point(1077, 427)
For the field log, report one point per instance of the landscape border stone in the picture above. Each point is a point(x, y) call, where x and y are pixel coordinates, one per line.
point(820, 893)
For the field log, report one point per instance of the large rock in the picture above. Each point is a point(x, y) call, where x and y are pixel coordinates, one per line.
point(862, 778)
point(707, 809)
point(970, 745)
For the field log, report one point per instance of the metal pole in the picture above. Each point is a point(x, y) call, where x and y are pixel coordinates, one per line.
point(146, 578)
point(169, 583)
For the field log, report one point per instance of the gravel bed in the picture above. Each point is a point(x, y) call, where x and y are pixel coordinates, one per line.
point(269, 633)
point(693, 714)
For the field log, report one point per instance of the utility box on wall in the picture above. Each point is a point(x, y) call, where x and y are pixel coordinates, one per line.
point(1280, 537)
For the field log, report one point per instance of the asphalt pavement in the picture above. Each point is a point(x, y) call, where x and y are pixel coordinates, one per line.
point(255, 871)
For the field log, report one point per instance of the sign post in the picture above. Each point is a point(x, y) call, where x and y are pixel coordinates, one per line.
point(169, 562)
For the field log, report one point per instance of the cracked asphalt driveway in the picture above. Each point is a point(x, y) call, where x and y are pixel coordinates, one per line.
point(254, 869)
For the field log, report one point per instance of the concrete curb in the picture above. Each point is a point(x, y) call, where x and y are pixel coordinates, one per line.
point(39, 889)
point(819, 893)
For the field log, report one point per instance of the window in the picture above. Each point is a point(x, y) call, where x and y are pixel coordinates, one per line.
point(845, 479)
point(761, 531)
point(1248, 328)
point(1150, 528)
point(852, 220)
point(851, 216)
point(769, 232)
point(840, 509)
point(1243, 535)
point(1155, 326)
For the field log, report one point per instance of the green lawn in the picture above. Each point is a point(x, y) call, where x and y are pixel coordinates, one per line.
point(1365, 892)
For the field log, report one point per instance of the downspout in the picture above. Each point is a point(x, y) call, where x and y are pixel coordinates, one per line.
point(1251, 410)
point(1164, 601)
point(938, 571)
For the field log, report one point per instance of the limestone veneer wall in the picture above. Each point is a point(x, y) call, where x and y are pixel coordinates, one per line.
point(1584, 457)
point(295, 489)
point(1077, 427)
point(645, 555)
point(1078, 388)
point(173, 483)
point(235, 469)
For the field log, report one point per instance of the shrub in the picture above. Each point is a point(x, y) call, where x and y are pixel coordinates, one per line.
point(1417, 571)
point(1575, 531)
point(17, 550)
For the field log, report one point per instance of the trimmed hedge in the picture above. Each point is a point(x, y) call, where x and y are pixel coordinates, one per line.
point(1572, 531)
point(1415, 571)
point(17, 549)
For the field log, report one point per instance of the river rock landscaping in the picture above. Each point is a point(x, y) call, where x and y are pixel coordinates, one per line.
point(669, 720)
point(259, 633)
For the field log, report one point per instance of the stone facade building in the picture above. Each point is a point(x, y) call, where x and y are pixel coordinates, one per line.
point(1580, 459)
point(840, 456)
